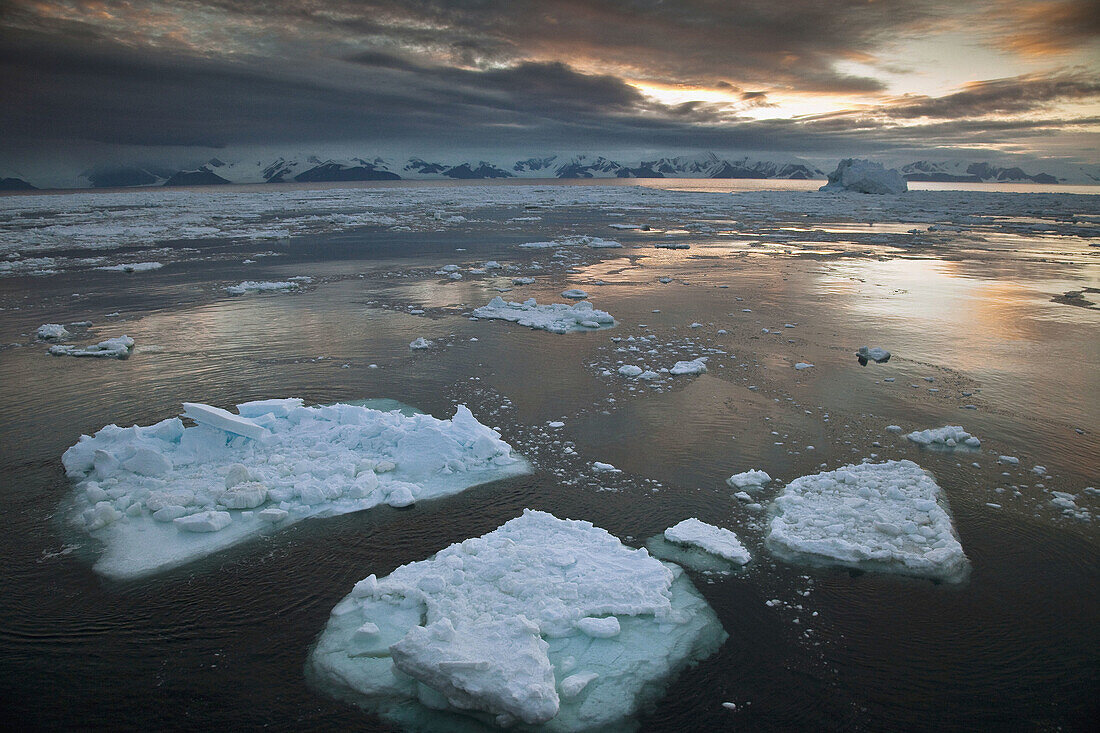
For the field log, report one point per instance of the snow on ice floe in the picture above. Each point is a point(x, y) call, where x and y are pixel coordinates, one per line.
point(949, 437)
point(553, 317)
point(119, 347)
point(541, 622)
point(253, 286)
point(707, 537)
point(865, 176)
point(147, 493)
point(889, 516)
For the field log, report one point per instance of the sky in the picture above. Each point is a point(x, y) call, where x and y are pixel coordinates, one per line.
point(172, 82)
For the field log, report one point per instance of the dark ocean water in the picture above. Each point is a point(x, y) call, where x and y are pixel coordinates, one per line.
point(222, 642)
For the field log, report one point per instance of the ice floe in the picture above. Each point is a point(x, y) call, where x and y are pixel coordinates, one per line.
point(753, 479)
point(865, 176)
point(52, 332)
point(876, 354)
point(132, 267)
point(715, 540)
point(254, 286)
point(541, 622)
point(553, 317)
point(119, 347)
point(274, 462)
point(420, 343)
point(574, 294)
point(695, 366)
point(889, 516)
point(948, 437)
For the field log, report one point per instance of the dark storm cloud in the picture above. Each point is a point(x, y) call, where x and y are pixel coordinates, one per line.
point(1047, 28)
point(503, 74)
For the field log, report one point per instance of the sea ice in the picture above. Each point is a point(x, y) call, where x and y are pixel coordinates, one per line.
point(52, 332)
point(420, 343)
point(695, 366)
point(114, 348)
point(875, 354)
point(253, 286)
point(133, 267)
point(574, 293)
point(707, 537)
point(802, 365)
point(865, 176)
point(541, 622)
point(879, 516)
point(948, 437)
point(275, 462)
point(554, 317)
point(753, 479)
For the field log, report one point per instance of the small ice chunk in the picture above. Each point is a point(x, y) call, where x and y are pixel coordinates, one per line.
point(210, 521)
point(600, 467)
point(630, 370)
point(1010, 460)
point(52, 332)
point(273, 514)
point(119, 347)
point(695, 366)
point(715, 540)
point(599, 628)
point(748, 479)
point(574, 684)
point(253, 286)
point(802, 365)
point(949, 437)
point(875, 354)
point(574, 293)
point(221, 419)
point(420, 343)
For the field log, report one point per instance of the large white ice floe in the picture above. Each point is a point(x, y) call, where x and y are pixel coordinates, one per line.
point(161, 495)
point(715, 540)
point(949, 437)
point(865, 176)
point(542, 622)
point(119, 347)
point(553, 317)
point(888, 516)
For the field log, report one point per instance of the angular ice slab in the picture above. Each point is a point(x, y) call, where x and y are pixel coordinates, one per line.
point(542, 622)
point(554, 317)
point(707, 537)
point(889, 516)
point(162, 495)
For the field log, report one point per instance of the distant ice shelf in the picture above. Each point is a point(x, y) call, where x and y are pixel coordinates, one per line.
point(162, 495)
point(543, 623)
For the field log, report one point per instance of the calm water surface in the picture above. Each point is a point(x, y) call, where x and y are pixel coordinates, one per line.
point(221, 643)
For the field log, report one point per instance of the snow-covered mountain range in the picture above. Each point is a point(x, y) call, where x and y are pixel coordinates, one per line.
point(313, 168)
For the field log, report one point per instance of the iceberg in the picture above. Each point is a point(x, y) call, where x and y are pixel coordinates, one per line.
point(161, 495)
point(888, 516)
point(554, 317)
point(865, 176)
point(541, 622)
